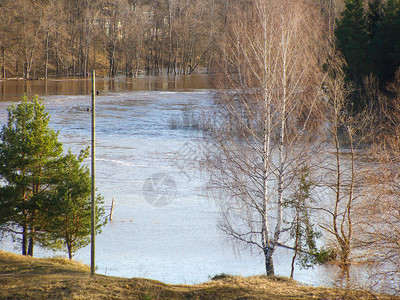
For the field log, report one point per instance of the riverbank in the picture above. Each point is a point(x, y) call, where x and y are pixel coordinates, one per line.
point(24, 277)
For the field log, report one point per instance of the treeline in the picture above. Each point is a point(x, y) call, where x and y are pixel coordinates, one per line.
point(39, 38)
point(47, 37)
point(42, 37)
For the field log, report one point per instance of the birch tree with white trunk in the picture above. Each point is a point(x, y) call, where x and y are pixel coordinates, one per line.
point(268, 112)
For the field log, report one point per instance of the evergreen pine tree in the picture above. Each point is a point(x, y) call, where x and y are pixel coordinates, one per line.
point(374, 16)
point(45, 195)
point(72, 206)
point(352, 39)
point(302, 229)
point(29, 153)
point(385, 45)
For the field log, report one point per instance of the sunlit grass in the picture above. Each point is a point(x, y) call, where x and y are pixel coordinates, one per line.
point(24, 277)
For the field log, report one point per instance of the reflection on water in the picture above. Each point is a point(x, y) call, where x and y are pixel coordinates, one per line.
point(12, 90)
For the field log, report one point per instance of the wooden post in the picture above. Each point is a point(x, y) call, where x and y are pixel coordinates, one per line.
point(93, 198)
point(112, 208)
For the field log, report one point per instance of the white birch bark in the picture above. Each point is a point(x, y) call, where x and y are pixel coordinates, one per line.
point(272, 77)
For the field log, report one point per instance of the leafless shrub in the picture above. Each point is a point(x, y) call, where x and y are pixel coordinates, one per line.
point(380, 232)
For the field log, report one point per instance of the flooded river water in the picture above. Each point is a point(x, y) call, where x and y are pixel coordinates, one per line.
point(173, 238)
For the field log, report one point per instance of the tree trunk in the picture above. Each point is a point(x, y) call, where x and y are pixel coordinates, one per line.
point(269, 262)
point(170, 40)
point(70, 255)
point(57, 63)
point(293, 262)
point(30, 247)
point(296, 247)
point(113, 66)
point(24, 239)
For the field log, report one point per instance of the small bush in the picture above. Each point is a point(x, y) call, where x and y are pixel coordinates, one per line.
point(221, 276)
point(323, 255)
point(190, 120)
point(147, 297)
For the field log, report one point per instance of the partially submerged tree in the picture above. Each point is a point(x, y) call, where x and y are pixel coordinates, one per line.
point(269, 105)
point(380, 226)
point(346, 162)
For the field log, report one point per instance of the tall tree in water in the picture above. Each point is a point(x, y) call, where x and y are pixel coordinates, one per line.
point(344, 166)
point(268, 100)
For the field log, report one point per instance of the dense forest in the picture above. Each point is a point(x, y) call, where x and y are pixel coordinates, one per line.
point(43, 37)
point(48, 37)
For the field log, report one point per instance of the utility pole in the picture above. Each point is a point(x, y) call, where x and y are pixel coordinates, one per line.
point(93, 198)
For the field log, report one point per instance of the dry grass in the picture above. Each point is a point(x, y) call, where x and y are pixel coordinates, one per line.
point(33, 278)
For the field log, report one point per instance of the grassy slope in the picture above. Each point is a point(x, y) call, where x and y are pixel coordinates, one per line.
point(33, 278)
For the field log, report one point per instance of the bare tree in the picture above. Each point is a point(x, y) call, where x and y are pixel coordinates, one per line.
point(269, 108)
point(26, 32)
point(380, 227)
point(53, 28)
point(346, 165)
point(380, 232)
point(7, 31)
point(71, 35)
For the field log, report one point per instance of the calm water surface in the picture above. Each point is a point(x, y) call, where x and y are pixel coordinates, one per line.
point(175, 243)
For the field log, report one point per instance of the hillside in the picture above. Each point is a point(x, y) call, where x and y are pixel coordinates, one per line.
point(54, 278)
